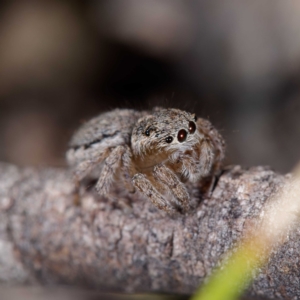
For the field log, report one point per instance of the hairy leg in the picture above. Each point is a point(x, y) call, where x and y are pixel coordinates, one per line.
point(83, 168)
point(128, 169)
point(206, 157)
point(111, 165)
point(217, 142)
point(145, 186)
point(166, 176)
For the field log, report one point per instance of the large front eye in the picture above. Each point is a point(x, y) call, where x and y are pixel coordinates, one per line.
point(192, 127)
point(181, 136)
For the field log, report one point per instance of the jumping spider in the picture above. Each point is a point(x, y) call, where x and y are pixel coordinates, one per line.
point(154, 152)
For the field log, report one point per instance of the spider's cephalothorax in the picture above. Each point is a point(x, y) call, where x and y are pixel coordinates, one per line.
point(155, 152)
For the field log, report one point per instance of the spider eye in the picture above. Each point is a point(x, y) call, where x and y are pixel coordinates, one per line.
point(192, 127)
point(181, 136)
point(169, 139)
point(195, 118)
point(147, 132)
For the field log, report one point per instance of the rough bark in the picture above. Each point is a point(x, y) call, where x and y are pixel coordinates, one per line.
point(51, 233)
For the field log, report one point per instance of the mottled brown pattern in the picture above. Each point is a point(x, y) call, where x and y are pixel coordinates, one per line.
point(155, 152)
point(129, 245)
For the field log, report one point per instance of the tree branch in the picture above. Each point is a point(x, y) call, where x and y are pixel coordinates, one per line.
point(52, 234)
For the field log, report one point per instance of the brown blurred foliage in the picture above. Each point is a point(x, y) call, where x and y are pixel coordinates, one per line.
point(234, 62)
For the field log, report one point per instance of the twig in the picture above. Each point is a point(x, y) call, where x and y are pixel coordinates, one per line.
point(129, 245)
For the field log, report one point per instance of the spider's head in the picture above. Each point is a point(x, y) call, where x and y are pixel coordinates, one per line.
point(164, 132)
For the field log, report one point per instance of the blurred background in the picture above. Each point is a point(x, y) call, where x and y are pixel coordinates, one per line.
point(235, 62)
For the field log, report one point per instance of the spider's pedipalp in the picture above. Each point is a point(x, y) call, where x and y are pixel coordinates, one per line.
point(144, 185)
point(172, 182)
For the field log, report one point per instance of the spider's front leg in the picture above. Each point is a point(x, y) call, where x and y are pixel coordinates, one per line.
point(213, 142)
point(164, 179)
point(170, 180)
point(145, 186)
point(117, 160)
